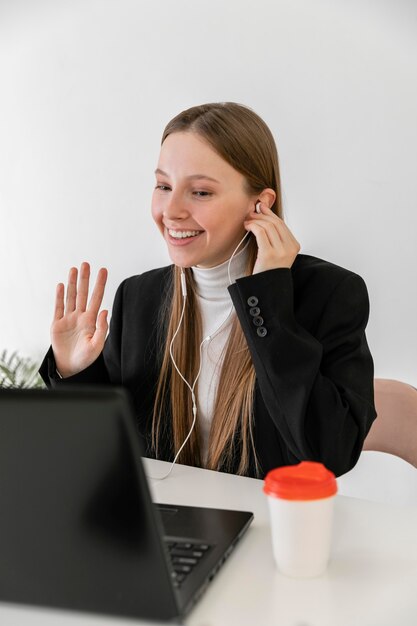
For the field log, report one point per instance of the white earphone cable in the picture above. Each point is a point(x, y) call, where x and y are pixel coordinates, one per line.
point(208, 338)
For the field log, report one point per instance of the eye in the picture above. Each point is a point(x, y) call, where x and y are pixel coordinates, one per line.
point(162, 187)
point(202, 194)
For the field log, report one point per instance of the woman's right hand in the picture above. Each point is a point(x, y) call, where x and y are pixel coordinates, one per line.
point(78, 331)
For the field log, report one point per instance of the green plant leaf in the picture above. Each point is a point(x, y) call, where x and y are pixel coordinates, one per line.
point(18, 372)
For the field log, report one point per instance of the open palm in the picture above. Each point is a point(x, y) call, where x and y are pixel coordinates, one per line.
point(78, 330)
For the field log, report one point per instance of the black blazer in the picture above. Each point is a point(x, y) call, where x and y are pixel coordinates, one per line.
point(314, 388)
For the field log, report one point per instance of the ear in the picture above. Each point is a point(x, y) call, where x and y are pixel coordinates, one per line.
point(267, 197)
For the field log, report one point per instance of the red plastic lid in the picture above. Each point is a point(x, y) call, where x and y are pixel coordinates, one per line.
point(306, 481)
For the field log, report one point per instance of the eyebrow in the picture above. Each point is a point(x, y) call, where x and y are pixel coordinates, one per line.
point(191, 177)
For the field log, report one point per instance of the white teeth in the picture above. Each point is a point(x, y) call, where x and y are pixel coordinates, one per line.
point(182, 234)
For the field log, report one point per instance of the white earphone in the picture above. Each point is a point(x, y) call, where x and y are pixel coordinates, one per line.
point(208, 338)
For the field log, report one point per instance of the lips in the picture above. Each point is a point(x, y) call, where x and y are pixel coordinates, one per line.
point(183, 237)
point(183, 234)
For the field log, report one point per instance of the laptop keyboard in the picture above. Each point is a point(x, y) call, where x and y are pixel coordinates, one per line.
point(184, 557)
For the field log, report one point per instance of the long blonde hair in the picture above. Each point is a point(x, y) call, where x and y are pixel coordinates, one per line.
point(244, 141)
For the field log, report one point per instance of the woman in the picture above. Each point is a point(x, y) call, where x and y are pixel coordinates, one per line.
point(239, 358)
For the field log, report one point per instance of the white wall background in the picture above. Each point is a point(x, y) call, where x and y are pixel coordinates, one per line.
point(86, 88)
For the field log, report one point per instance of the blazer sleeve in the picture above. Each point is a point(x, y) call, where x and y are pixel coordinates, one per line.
point(318, 389)
point(106, 369)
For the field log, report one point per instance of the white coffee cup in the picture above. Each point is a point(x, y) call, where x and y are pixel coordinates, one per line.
point(301, 503)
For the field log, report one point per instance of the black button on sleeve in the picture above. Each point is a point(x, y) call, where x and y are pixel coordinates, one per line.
point(261, 331)
point(252, 301)
point(255, 311)
point(258, 321)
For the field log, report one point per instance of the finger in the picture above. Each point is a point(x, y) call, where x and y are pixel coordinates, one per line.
point(282, 229)
point(285, 233)
point(71, 290)
point(83, 284)
point(101, 329)
point(98, 292)
point(262, 238)
point(271, 256)
point(266, 234)
point(279, 222)
point(59, 302)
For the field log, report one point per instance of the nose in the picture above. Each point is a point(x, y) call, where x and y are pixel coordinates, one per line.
point(174, 207)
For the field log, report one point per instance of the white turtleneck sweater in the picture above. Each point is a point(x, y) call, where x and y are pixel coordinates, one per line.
point(215, 305)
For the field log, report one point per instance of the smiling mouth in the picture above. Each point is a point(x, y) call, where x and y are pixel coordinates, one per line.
point(183, 234)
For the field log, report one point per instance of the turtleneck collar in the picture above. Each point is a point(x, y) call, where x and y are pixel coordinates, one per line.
point(212, 282)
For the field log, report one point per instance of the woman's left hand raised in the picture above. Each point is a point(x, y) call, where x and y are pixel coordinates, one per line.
point(277, 246)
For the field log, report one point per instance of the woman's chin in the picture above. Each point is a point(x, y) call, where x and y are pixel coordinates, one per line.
point(181, 260)
point(184, 252)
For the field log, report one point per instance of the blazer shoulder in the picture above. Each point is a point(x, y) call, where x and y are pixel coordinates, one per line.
point(311, 269)
point(321, 286)
point(154, 278)
point(150, 287)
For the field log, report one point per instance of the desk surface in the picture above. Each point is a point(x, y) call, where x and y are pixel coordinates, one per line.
point(371, 580)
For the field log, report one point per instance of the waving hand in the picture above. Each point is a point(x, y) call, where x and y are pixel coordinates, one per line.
point(78, 330)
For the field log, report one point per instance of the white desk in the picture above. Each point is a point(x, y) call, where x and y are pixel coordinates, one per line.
point(371, 581)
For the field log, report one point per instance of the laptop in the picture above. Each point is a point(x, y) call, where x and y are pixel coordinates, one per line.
point(78, 528)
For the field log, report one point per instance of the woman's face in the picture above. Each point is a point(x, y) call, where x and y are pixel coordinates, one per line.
point(199, 202)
